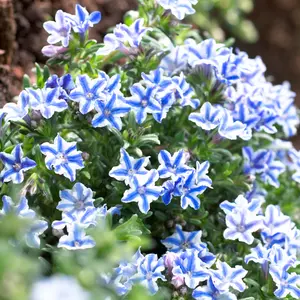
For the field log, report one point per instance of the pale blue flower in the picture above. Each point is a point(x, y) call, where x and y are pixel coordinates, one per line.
point(76, 238)
point(52, 50)
point(172, 166)
point(282, 258)
point(206, 257)
point(182, 240)
point(142, 102)
point(35, 230)
point(189, 266)
point(82, 20)
point(241, 224)
point(78, 199)
point(129, 167)
point(225, 277)
point(210, 292)
point(143, 190)
point(15, 165)
point(47, 101)
point(259, 255)
point(201, 174)
point(191, 189)
point(287, 284)
point(150, 270)
point(63, 157)
point(16, 111)
point(87, 92)
point(208, 118)
point(109, 113)
point(59, 30)
point(21, 209)
point(179, 8)
point(52, 288)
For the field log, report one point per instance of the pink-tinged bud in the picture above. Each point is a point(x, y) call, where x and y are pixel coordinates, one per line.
point(169, 260)
point(51, 50)
point(177, 281)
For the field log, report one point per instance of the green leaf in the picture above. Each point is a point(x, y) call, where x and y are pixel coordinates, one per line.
point(148, 139)
point(131, 228)
point(39, 76)
point(26, 81)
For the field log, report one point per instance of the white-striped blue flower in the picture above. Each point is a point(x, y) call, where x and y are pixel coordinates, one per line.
point(189, 266)
point(64, 83)
point(129, 167)
point(113, 83)
point(208, 118)
point(87, 92)
point(241, 224)
point(172, 166)
point(210, 292)
point(143, 190)
point(36, 229)
point(109, 113)
point(15, 165)
point(76, 238)
point(150, 270)
point(182, 240)
point(287, 284)
point(170, 189)
point(47, 101)
point(225, 277)
point(63, 157)
point(78, 199)
point(259, 255)
point(179, 8)
point(143, 102)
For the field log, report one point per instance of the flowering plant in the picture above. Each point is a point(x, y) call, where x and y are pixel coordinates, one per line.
point(155, 142)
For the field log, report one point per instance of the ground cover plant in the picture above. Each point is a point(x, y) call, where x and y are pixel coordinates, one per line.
point(156, 166)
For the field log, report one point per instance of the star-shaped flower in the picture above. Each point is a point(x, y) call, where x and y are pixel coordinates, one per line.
point(78, 199)
point(47, 101)
point(129, 167)
point(171, 188)
point(63, 157)
point(225, 277)
point(64, 83)
point(59, 30)
point(259, 254)
point(21, 209)
point(182, 240)
point(142, 102)
point(189, 266)
point(110, 112)
point(35, 230)
point(15, 165)
point(172, 166)
point(143, 190)
point(179, 8)
point(87, 92)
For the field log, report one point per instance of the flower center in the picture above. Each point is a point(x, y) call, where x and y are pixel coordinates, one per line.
point(17, 166)
point(185, 245)
point(241, 228)
point(61, 157)
point(79, 205)
point(144, 103)
point(106, 112)
point(63, 32)
point(149, 275)
point(130, 172)
point(89, 96)
point(76, 244)
point(141, 190)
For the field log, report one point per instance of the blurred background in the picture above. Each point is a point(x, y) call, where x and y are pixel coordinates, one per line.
point(269, 28)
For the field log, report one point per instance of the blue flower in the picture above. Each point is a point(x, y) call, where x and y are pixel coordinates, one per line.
point(143, 190)
point(83, 20)
point(78, 199)
point(170, 189)
point(15, 165)
point(166, 103)
point(282, 258)
point(201, 174)
point(21, 209)
point(172, 166)
point(87, 92)
point(65, 83)
point(184, 92)
point(124, 36)
point(47, 101)
point(59, 30)
point(35, 230)
point(142, 102)
point(57, 285)
point(225, 277)
point(189, 266)
point(208, 118)
point(63, 157)
point(113, 84)
point(190, 190)
point(149, 270)
point(129, 167)
point(110, 112)
point(287, 284)
point(16, 111)
point(259, 255)
point(181, 240)
point(210, 292)
point(179, 8)
point(241, 223)
point(76, 239)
